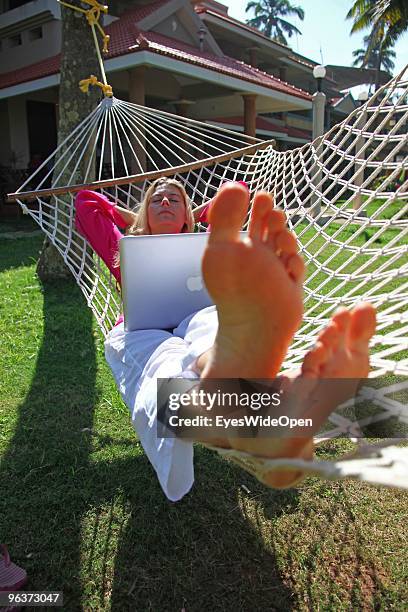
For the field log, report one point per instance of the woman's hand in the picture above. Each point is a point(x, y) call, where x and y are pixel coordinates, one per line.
point(129, 217)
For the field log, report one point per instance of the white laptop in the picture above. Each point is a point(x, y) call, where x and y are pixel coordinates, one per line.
point(161, 279)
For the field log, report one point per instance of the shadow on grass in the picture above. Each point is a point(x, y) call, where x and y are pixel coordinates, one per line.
point(20, 252)
point(167, 553)
point(102, 531)
point(339, 572)
point(42, 488)
point(203, 552)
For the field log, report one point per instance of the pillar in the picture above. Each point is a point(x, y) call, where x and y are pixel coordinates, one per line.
point(137, 94)
point(319, 105)
point(358, 178)
point(182, 107)
point(283, 73)
point(253, 56)
point(250, 114)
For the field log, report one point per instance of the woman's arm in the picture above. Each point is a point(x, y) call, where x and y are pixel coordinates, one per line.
point(97, 219)
point(200, 213)
point(128, 216)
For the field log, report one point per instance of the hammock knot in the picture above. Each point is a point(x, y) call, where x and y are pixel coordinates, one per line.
point(93, 80)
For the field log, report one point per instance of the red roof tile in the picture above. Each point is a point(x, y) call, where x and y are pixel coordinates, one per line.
point(200, 9)
point(127, 38)
point(296, 133)
point(261, 123)
point(141, 12)
point(44, 68)
point(158, 43)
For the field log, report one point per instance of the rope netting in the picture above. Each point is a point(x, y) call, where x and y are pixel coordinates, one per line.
point(345, 196)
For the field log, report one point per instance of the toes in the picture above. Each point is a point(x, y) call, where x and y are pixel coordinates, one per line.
point(262, 206)
point(228, 212)
point(315, 359)
point(330, 337)
point(276, 223)
point(362, 326)
point(295, 267)
point(285, 242)
point(342, 318)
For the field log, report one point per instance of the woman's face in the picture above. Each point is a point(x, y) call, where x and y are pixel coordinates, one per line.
point(166, 212)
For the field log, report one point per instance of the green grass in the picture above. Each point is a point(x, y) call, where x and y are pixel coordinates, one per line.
point(82, 511)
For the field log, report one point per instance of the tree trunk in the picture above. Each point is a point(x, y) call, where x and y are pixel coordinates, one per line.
point(78, 61)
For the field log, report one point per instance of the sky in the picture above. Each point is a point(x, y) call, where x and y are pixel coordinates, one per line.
point(325, 32)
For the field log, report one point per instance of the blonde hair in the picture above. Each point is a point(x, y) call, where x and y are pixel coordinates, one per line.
point(141, 226)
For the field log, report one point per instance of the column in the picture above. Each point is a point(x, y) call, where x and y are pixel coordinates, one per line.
point(250, 114)
point(358, 178)
point(187, 153)
point(283, 73)
point(319, 104)
point(137, 94)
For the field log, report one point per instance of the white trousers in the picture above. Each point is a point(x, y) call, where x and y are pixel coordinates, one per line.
point(137, 359)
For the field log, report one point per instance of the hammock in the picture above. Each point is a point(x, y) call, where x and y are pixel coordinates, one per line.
point(345, 196)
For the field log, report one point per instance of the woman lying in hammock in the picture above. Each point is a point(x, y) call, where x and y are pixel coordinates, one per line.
point(257, 290)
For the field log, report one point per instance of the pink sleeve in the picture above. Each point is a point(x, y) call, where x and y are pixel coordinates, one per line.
point(97, 220)
point(203, 218)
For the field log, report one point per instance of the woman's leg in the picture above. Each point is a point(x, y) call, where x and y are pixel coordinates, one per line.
point(257, 287)
point(199, 331)
point(137, 359)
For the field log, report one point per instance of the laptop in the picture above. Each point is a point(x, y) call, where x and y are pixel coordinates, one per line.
point(161, 279)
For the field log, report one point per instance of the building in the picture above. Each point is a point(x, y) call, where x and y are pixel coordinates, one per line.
point(184, 56)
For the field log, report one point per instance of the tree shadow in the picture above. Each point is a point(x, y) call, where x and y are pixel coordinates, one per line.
point(203, 552)
point(49, 485)
point(206, 552)
point(21, 252)
point(42, 500)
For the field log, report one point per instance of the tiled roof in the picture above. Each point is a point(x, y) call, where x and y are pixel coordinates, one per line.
point(201, 9)
point(141, 12)
point(262, 123)
point(296, 133)
point(127, 38)
point(157, 43)
point(44, 68)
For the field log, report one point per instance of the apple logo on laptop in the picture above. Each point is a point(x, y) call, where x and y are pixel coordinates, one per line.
point(195, 283)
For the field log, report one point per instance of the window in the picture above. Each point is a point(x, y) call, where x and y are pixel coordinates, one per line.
point(35, 34)
point(16, 3)
point(15, 41)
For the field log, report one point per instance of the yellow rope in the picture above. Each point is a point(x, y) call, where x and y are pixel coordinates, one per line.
point(93, 15)
point(93, 80)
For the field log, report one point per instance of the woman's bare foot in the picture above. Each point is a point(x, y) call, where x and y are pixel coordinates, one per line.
point(256, 285)
point(341, 352)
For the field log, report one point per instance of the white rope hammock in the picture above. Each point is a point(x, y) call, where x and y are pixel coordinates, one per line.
point(345, 196)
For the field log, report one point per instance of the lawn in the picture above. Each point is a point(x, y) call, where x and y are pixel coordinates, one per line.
point(82, 511)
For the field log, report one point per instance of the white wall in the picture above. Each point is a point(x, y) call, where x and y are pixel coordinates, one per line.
point(31, 51)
